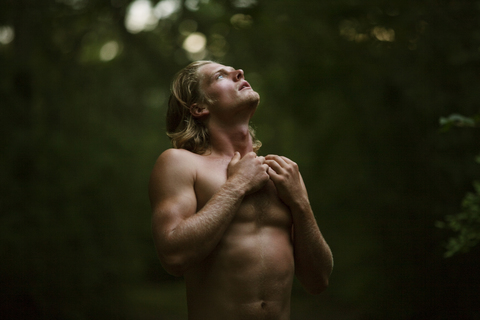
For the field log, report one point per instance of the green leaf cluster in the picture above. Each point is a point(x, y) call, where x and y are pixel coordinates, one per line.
point(458, 120)
point(466, 224)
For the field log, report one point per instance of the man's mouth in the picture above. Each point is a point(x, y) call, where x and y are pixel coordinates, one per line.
point(244, 85)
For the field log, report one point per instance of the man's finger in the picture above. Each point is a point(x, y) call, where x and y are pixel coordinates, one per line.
point(273, 175)
point(274, 165)
point(287, 160)
point(278, 159)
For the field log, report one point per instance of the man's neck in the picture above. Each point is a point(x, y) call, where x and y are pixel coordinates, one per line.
point(225, 141)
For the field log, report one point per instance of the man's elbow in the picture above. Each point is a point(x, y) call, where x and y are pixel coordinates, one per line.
point(321, 281)
point(173, 270)
point(315, 284)
point(317, 287)
point(173, 260)
point(174, 265)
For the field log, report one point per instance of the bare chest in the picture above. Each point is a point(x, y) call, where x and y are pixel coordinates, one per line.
point(262, 207)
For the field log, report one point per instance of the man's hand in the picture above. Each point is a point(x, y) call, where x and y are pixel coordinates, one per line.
point(250, 171)
point(313, 257)
point(288, 181)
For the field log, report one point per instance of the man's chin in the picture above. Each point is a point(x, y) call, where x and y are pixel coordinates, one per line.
point(255, 103)
point(255, 99)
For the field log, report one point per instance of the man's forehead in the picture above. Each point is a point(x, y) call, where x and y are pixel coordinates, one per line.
point(212, 68)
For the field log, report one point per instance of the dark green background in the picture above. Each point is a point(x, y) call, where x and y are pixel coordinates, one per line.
point(79, 137)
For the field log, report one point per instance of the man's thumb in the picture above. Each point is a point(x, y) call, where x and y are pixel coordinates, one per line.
point(235, 158)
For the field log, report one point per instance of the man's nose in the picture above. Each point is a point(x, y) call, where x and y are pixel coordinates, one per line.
point(239, 74)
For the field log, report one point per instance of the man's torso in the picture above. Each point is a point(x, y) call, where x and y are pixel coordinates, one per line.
point(249, 274)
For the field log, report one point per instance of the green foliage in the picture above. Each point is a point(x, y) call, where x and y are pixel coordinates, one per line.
point(458, 121)
point(466, 225)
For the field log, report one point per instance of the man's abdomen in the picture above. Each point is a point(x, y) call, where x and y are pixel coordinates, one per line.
point(248, 276)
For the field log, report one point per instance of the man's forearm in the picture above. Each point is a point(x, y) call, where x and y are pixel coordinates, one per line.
point(192, 240)
point(313, 258)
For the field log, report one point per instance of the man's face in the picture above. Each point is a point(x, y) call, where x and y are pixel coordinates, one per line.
point(227, 88)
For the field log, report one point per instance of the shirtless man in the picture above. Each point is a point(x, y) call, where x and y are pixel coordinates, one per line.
point(235, 225)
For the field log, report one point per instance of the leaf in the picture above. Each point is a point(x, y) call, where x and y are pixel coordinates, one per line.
point(457, 120)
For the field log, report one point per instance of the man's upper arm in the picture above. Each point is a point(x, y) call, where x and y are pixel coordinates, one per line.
point(171, 191)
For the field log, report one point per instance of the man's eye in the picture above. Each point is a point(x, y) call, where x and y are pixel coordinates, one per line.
point(220, 76)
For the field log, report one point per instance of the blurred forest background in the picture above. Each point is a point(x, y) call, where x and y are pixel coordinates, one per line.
point(353, 92)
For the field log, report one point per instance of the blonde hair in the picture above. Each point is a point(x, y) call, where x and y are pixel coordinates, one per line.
point(184, 130)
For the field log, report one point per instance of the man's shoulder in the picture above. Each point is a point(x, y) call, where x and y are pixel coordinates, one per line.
point(174, 153)
point(174, 166)
point(177, 158)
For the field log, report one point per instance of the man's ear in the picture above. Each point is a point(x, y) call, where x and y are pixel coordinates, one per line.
point(198, 110)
